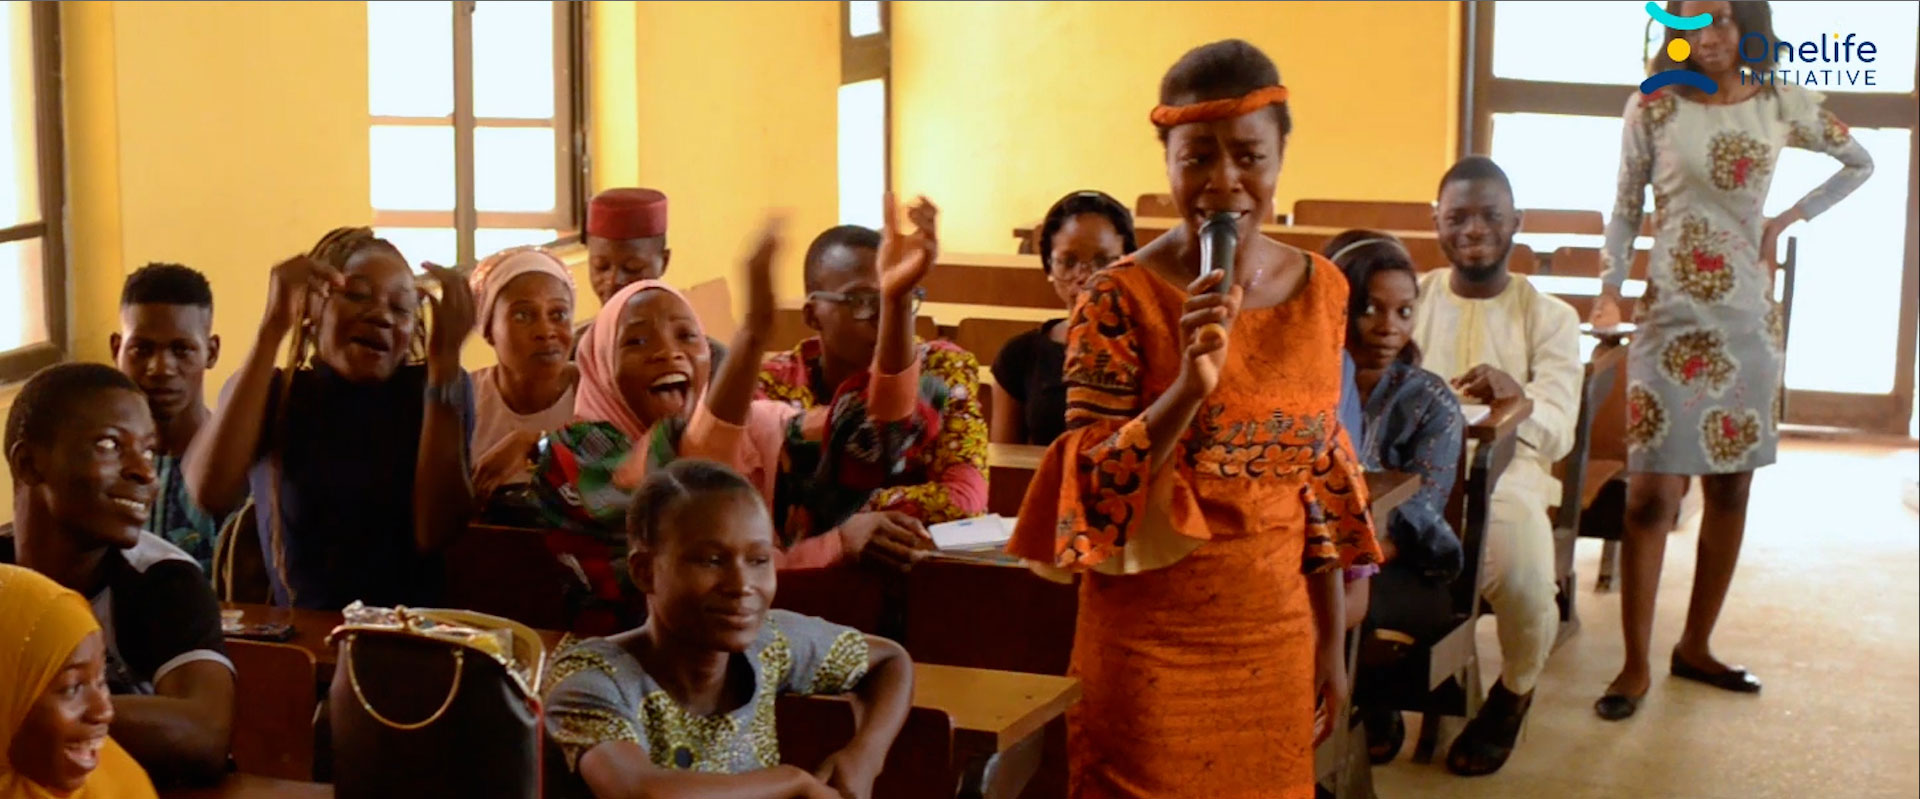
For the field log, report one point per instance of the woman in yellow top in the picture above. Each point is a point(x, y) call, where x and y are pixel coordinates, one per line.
point(1204, 490)
point(54, 708)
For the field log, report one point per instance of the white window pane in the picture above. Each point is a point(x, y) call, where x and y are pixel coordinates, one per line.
point(1572, 42)
point(513, 169)
point(1534, 148)
point(420, 244)
point(410, 58)
point(1846, 302)
point(863, 152)
point(412, 168)
point(513, 59)
point(863, 17)
point(487, 241)
point(19, 165)
point(1889, 26)
point(23, 306)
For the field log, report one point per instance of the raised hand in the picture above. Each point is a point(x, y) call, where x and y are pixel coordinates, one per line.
point(1206, 319)
point(290, 285)
point(906, 256)
point(756, 273)
point(453, 317)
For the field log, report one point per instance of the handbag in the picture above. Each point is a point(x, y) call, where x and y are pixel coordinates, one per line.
point(435, 703)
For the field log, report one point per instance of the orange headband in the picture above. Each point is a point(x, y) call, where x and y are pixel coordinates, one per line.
point(1167, 116)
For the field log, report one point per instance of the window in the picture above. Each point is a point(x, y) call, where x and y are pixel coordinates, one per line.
point(474, 125)
point(33, 300)
point(865, 142)
point(1547, 106)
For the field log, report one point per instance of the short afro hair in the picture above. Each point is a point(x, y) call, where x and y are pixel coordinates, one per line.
point(1222, 70)
point(1475, 167)
point(51, 392)
point(852, 237)
point(166, 284)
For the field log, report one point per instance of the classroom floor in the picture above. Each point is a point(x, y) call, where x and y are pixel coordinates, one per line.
point(1825, 609)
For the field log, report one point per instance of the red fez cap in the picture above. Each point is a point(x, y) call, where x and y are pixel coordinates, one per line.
point(627, 214)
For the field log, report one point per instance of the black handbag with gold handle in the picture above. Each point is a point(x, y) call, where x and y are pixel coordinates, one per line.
point(435, 703)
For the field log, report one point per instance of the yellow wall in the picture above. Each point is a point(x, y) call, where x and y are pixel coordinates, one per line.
point(737, 116)
point(1001, 107)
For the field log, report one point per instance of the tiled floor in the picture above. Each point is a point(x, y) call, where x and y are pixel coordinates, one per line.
point(1825, 609)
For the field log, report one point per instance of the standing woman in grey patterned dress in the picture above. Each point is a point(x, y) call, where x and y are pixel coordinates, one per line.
point(1703, 372)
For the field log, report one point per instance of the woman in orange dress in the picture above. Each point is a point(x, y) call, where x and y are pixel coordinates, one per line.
point(1205, 491)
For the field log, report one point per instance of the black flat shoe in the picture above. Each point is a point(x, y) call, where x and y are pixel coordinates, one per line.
point(1488, 740)
point(1617, 707)
point(1735, 678)
point(1386, 733)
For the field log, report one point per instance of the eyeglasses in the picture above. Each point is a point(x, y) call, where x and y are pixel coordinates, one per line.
point(1068, 266)
point(866, 302)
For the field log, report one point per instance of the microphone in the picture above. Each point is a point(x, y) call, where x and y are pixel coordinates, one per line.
point(1219, 237)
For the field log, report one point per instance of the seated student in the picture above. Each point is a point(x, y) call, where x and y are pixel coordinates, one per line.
point(1083, 232)
point(54, 735)
point(166, 344)
point(626, 242)
point(1498, 338)
point(524, 308)
point(945, 478)
point(649, 394)
point(1411, 424)
point(78, 441)
point(356, 454)
point(684, 705)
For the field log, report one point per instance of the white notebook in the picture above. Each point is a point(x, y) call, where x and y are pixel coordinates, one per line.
point(980, 532)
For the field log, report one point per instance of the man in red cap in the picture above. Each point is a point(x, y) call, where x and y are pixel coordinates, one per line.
point(627, 242)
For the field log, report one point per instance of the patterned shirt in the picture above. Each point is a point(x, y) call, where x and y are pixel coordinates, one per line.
point(1413, 425)
point(599, 694)
point(945, 477)
point(179, 520)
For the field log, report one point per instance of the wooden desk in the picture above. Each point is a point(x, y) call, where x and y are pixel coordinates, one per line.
point(247, 786)
point(1387, 490)
point(1010, 468)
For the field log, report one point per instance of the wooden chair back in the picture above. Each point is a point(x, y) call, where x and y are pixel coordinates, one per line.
point(509, 572)
point(1155, 204)
point(978, 284)
point(1376, 214)
point(278, 690)
point(1556, 220)
point(713, 302)
point(988, 615)
point(985, 337)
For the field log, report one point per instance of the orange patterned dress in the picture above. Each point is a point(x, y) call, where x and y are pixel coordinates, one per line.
point(1195, 638)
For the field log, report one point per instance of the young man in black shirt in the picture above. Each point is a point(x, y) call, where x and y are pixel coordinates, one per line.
point(80, 444)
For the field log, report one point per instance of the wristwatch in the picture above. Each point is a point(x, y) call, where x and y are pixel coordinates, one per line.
point(452, 393)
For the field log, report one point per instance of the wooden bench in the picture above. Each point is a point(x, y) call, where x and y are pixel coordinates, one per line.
point(1010, 468)
point(991, 279)
point(1376, 214)
point(993, 713)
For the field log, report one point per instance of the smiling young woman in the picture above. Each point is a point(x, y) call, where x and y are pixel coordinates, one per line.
point(356, 453)
point(1210, 541)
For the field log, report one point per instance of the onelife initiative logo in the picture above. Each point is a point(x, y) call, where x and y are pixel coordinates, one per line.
point(1678, 50)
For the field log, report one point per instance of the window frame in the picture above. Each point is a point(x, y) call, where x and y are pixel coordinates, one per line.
point(20, 363)
point(571, 169)
point(870, 57)
point(1483, 95)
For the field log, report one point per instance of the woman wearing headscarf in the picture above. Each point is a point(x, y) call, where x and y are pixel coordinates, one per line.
point(53, 694)
point(524, 304)
point(649, 395)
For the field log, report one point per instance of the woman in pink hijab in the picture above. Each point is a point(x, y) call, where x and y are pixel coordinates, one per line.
point(648, 394)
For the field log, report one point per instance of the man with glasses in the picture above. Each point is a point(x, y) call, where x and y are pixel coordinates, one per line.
point(945, 479)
